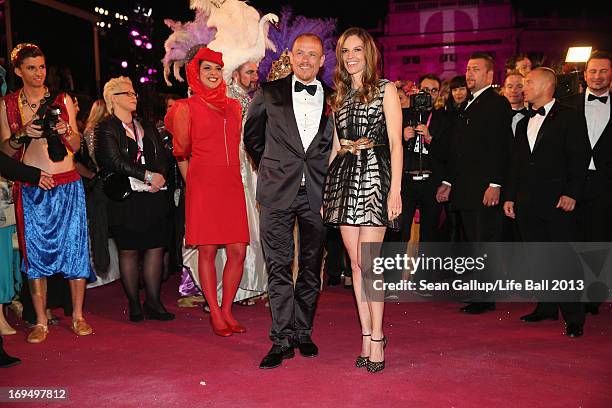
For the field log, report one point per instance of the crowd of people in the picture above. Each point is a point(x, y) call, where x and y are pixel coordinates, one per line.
point(479, 163)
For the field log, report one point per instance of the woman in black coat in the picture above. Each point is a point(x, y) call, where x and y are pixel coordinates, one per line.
point(140, 222)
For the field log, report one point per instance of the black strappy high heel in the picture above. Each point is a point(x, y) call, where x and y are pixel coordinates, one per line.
point(362, 361)
point(376, 366)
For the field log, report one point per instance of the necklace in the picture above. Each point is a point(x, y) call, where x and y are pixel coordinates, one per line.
point(24, 99)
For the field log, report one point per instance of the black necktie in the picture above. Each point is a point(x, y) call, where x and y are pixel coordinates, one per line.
point(299, 87)
point(470, 97)
point(602, 99)
point(522, 111)
point(539, 111)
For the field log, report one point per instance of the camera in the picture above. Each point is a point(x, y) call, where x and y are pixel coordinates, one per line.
point(420, 104)
point(55, 146)
point(421, 101)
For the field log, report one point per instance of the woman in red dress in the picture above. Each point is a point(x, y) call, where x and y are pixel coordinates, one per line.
point(206, 132)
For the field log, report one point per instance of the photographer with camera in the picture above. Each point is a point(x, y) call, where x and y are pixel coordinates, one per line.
point(40, 129)
point(425, 142)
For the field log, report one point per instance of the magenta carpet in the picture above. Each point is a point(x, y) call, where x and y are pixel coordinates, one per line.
point(436, 357)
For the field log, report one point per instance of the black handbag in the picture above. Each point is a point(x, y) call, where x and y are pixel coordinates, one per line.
point(116, 186)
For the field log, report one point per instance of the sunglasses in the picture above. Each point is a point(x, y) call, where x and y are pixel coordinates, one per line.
point(128, 93)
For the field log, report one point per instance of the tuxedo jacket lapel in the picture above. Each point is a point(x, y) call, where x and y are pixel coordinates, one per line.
point(478, 100)
point(294, 133)
point(544, 129)
point(608, 129)
point(521, 136)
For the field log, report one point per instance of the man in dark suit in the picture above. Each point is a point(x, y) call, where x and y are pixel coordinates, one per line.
point(548, 170)
point(288, 134)
point(594, 212)
point(478, 157)
point(426, 139)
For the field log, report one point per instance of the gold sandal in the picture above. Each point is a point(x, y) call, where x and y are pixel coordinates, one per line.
point(38, 334)
point(81, 328)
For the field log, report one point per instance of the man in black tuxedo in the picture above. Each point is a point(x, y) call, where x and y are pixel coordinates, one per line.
point(477, 161)
point(548, 170)
point(288, 134)
point(594, 212)
point(513, 91)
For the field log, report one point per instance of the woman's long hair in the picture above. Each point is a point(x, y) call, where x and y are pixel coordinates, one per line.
point(370, 75)
point(96, 113)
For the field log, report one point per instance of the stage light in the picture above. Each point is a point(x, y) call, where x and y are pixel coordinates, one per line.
point(138, 42)
point(106, 12)
point(116, 15)
point(150, 71)
point(96, 9)
point(578, 54)
point(134, 33)
point(124, 64)
point(102, 24)
point(125, 18)
point(148, 46)
point(109, 25)
point(143, 80)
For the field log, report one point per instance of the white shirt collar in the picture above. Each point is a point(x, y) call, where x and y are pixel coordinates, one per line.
point(588, 92)
point(477, 94)
point(313, 82)
point(549, 106)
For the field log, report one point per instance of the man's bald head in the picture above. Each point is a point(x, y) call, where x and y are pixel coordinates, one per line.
point(540, 86)
point(549, 78)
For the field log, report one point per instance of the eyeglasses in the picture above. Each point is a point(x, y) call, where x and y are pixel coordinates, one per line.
point(128, 93)
point(432, 90)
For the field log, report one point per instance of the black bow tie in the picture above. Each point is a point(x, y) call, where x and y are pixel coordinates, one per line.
point(299, 87)
point(523, 111)
point(602, 99)
point(539, 111)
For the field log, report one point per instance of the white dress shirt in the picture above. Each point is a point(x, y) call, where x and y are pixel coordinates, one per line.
point(535, 123)
point(476, 95)
point(515, 120)
point(597, 116)
point(307, 110)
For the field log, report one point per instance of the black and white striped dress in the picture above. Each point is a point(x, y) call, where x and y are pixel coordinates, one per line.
point(356, 187)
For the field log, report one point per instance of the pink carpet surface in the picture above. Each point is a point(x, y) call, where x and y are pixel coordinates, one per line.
point(436, 357)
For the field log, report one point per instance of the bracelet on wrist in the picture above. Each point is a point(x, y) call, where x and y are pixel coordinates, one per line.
point(14, 144)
